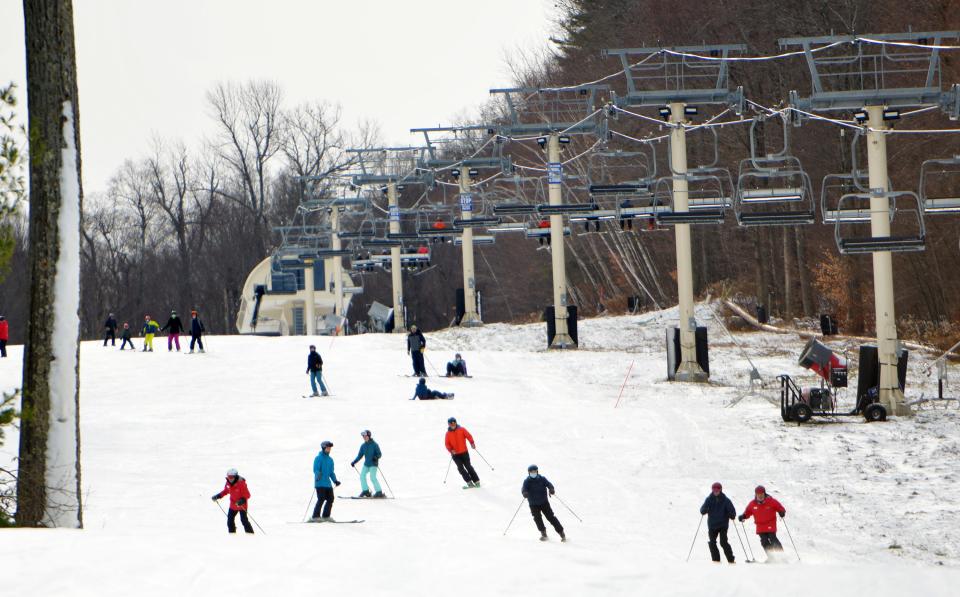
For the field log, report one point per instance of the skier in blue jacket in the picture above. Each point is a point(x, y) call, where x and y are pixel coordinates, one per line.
point(324, 480)
point(370, 453)
point(536, 489)
point(720, 511)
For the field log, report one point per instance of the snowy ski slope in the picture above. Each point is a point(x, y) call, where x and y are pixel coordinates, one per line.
point(873, 508)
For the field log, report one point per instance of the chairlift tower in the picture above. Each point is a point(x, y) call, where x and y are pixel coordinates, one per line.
point(875, 76)
point(463, 169)
point(553, 116)
point(388, 168)
point(677, 84)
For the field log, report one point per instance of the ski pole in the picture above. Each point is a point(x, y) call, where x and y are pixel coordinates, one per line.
point(448, 470)
point(385, 482)
point(221, 507)
point(514, 516)
point(484, 459)
point(742, 546)
point(620, 395)
point(256, 523)
point(784, 520)
point(310, 501)
point(695, 535)
point(752, 557)
point(567, 507)
point(435, 372)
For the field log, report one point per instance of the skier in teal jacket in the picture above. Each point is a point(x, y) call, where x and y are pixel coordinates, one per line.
point(324, 480)
point(370, 453)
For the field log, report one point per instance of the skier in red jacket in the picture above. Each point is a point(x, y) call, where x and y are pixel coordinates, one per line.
point(4, 336)
point(764, 510)
point(456, 443)
point(236, 487)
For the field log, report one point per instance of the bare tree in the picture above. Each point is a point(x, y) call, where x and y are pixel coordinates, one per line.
point(48, 490)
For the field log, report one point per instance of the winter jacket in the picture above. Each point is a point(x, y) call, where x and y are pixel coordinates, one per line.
point(237, 489)
point(462, 364)
point(4, 330)
point(174, 324)
point(196, 326)
point(535, 490)
point(150, 327)
point(110, 324)
point(314, 362)
point(764, 514)
point(416, 341)
point(719, 510)
point(422, 390)
point(456, 440)
point(370, 452)
point(126, 334)
point(323, 471)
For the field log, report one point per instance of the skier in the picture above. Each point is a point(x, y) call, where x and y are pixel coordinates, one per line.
point(4, 336)
point(457, 367)
point(370, 453)
point(196, 330)
point(323, 475)
point(315, 371)
point(416, 344)
point(125, 337)
point(236, 487)
point(175, 325)
point(456, 443)
point(150, 327)
point(110, 332)
point(536, 490)
point(425, 393)
point(720, 511)
point(764, 509)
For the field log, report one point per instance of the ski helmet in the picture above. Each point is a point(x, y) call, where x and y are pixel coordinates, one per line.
point(365, 433)
point(232, 472)
point(451, 420)
point(717, 485)
point(326, 444)
point(457, 356)
point(532, 468)
point(760, 489)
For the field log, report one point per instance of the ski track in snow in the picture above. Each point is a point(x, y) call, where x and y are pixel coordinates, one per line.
point(873, 508)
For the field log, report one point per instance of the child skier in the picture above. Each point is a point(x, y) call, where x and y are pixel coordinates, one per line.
point(196, 330)
point(416, 344)
point(324, 480)
point(537, 490)
point(236, 488)
point(720, 511)
point(424, 393)
point(457, 367)
point(456, 443)
point(370, 453)
point(150, 327)
point(764, 510)
point(176, 327)
point(315, 371)
point(125, 337)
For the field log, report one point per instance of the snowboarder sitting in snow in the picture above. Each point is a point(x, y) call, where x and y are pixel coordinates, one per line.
point(425, 393)
point(720, 511)
point(315, 371)
point(764, 510)
point(456, 443)
point(536, 489)
point(416, 344)
point(370, 453)
point(125, 337)
point(324, 480)
point(457, 367)
point(236, 487)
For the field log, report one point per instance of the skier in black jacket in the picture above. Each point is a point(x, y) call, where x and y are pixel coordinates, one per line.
point(196, 330)
point(536, 489)
point(720, 511)
point(110, 331)
point(416, 344)
point(175, 325)
point(315, 371)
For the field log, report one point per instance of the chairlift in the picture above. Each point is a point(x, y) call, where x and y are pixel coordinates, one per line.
point(706, 201)
point(904, 214)
point(773, 190)
point(939, 181)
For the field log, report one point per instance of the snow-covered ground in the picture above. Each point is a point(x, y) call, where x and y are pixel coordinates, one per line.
point(873, 508)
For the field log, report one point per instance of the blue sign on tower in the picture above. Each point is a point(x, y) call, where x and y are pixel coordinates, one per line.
point(554, 173)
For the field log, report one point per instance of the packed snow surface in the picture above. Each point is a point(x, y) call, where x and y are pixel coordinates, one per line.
point(874, 509)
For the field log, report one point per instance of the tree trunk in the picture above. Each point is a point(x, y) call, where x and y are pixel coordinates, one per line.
point(788, 269)
point(48, 489)
point(806, 288)
point(763, 287)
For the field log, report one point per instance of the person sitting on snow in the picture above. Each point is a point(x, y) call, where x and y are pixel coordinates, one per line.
point(457, 367)
point(425, 393)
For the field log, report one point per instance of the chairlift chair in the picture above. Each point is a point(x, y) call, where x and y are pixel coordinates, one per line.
point(939, 182)
point(905, 214)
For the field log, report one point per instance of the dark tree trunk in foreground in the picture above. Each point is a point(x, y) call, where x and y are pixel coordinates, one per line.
point(48, 489)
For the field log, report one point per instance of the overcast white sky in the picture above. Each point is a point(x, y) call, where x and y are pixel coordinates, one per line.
point(145, 66)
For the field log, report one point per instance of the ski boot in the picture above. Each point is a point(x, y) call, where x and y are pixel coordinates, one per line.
point(470, 485)
point(365, 493)
point(379, 494)
point(543, 536)
point(325, 393)
point(563, 538)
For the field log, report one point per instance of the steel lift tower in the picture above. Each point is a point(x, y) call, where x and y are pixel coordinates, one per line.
point(677, 84)
point(553, 116)
point(439, 156)
point(874, 77)
point(389, 169)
